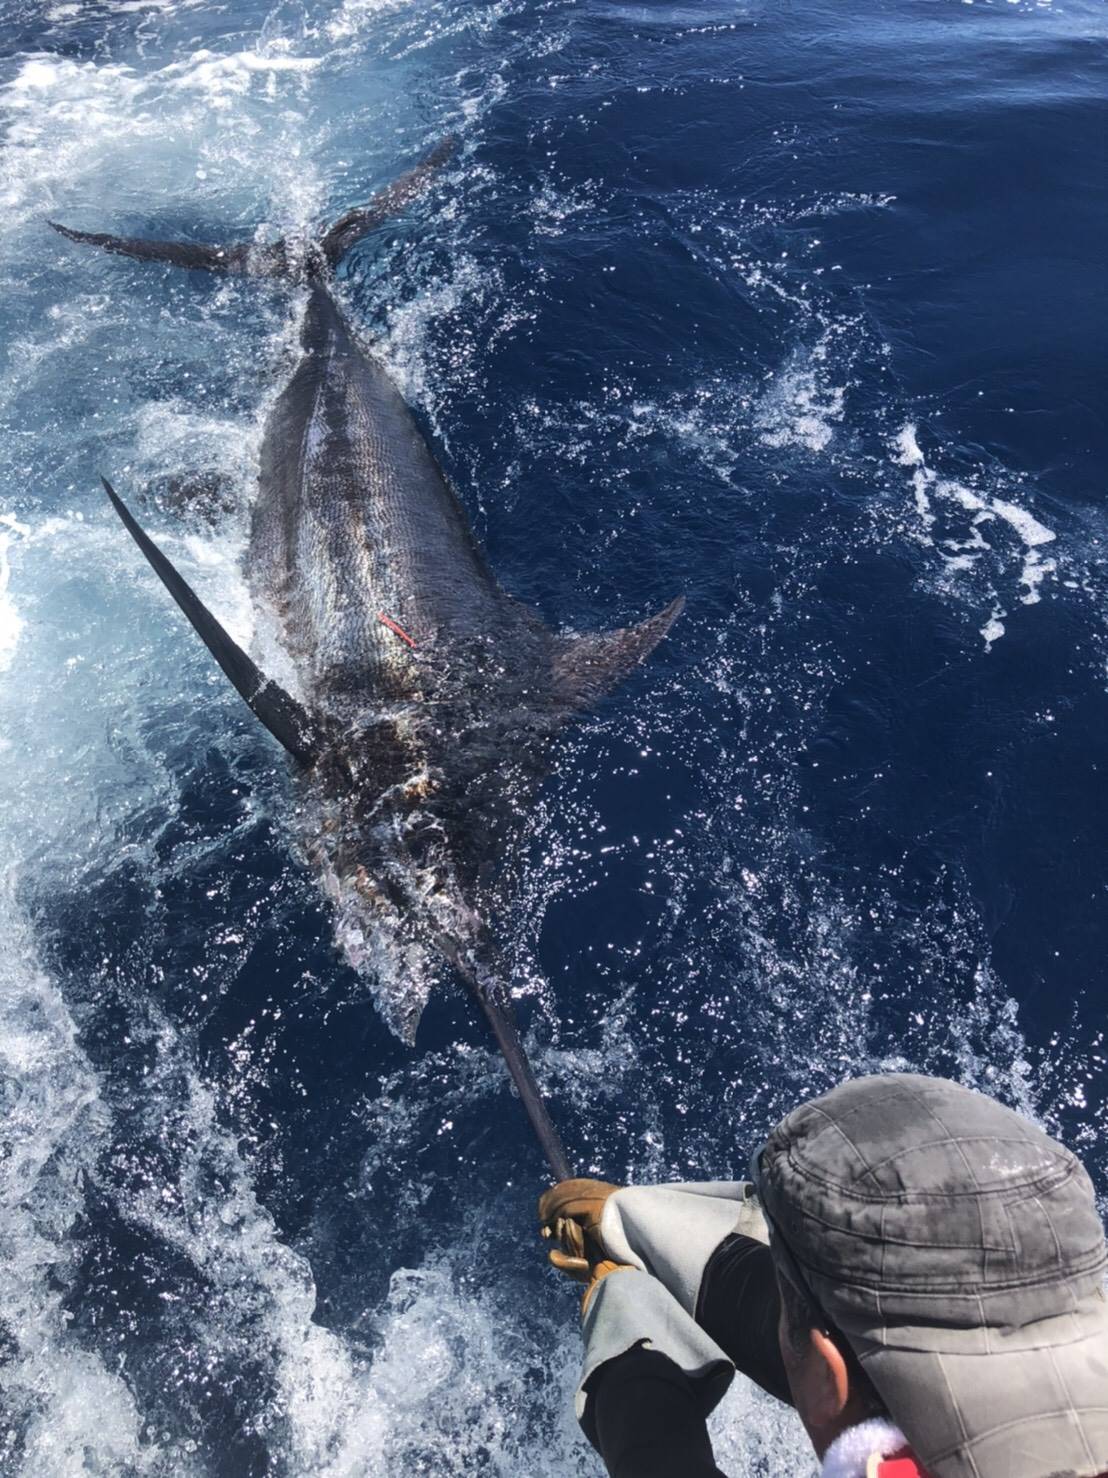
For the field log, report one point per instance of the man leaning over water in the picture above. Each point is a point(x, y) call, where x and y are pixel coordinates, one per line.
point(915, 1268)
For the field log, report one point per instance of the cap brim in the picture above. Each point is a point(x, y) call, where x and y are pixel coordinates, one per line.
point(1032, 1405)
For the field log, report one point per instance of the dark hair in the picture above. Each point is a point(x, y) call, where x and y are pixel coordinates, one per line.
point(800, 1317)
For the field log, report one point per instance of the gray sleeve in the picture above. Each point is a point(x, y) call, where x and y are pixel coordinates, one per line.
point(670, 1231)
point(631, 1308)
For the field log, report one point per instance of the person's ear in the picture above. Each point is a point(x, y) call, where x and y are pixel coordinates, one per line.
point(827, 1380)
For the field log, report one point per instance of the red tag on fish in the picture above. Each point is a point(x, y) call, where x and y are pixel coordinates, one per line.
point(392, 625)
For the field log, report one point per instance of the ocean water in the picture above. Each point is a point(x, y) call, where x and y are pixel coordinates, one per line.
point(798, 308)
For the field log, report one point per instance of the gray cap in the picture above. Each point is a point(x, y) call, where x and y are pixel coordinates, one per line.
point(959, 1250)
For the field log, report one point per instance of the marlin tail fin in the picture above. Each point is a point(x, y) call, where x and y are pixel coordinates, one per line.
point(280, 713)
point(243, 258)
point(277, 258)
point(339, 238)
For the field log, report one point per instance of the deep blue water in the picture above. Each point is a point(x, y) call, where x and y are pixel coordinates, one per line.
point(797, 308)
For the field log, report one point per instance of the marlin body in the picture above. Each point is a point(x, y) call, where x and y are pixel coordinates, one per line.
point(425, 696)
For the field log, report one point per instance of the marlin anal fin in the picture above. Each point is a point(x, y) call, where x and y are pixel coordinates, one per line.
point(280, 713)
point(587, 667)
point(348, 229)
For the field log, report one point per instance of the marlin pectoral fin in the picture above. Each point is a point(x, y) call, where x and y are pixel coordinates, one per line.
point(587, 667)
point(280, 713)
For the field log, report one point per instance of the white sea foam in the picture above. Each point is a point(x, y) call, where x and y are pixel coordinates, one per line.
point(352, 16)
point(804, 403)
point(11, 623)
point(553, 208)
point(467, 293)
point(223, 79)
point(64, 1402)
point(90, 102)
point(1033, 534)
point(75, 1411)
point(908, 451)
point(800, 409)
point(67, 124)
point(993, 628)
point(1030, 530)
point(964, 545)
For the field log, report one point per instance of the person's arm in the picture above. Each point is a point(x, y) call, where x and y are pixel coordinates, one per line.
point(627, 1313)
point(695, 1291)
point(649, 1419)
point(739, 1306)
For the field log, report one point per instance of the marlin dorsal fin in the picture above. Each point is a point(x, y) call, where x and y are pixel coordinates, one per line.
point(587, 667)
point(280, 713)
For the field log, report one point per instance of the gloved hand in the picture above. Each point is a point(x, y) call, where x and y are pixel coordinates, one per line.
point(570, 1214)
point(600, 1270)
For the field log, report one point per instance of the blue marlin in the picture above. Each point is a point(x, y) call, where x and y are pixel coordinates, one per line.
point(426, 696)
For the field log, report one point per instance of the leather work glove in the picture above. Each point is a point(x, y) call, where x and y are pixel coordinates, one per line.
point(600, 1271)
point(570, 1214)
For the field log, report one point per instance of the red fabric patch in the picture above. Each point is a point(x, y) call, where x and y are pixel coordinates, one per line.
point(900, 1467)
point(901, 1464)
